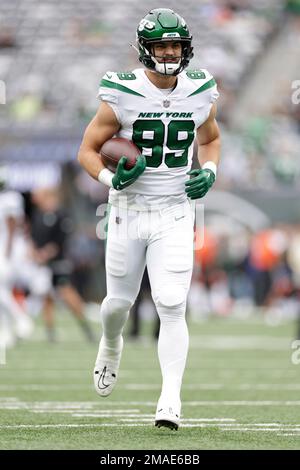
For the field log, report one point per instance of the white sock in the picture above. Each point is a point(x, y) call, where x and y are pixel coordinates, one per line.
point(109, 350)
point(172, 353)
point(114, 313)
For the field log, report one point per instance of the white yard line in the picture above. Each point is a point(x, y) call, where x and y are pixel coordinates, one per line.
point(63, 425)
point(89, 404)
point(252, 429)
point(244, 403)
point(245, 342)
point(153, 386)
point(137, 417)
point(45, 387)
point(132, 417)
point(218, 386)
point(229, 426)
point(293, 386)
point(187, 386)
point(140, 417)
point(88, 412)
point(201, 368)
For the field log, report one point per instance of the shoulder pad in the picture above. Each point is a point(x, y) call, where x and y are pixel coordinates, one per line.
point(120, 82)
point(119, 76)
point(202, 80)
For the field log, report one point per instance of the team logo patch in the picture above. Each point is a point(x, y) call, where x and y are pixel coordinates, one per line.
point(146, 24)
point(171, 35)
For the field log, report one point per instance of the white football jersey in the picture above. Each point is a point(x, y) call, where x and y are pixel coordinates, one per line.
point(162, 127)
point(11, 205)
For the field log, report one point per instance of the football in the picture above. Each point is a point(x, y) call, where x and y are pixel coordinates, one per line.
point(113, 149)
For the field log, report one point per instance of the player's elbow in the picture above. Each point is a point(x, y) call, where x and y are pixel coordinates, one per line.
point(81, 155)
point(211, 140)
point(214, 134)
point(217, 138)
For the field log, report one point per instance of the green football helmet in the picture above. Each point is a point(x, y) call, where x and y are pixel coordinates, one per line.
point(161, 25)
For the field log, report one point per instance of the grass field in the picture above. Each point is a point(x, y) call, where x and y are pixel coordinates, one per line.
point(240, 391)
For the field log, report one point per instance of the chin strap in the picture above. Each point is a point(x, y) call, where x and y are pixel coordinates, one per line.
point(135, 48)
point(166, 68)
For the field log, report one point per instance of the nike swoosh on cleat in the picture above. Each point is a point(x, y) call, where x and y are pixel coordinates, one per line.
point(178, 218)
point(101, 380)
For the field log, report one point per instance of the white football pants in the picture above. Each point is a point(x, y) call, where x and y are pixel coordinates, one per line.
point(162, 240)
point(19, 269)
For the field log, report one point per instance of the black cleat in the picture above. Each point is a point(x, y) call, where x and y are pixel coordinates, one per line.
point(167, 417)
point(162, 423)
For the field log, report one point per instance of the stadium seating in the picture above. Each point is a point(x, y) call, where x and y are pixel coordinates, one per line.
point(59, 50)
point(53, 54)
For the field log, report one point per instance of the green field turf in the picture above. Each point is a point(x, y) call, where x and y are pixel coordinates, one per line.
point(240, 391)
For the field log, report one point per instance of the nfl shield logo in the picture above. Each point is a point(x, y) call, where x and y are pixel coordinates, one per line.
point(166, 103)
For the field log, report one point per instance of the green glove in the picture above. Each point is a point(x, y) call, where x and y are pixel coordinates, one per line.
point(123, 178)
point(199, 185)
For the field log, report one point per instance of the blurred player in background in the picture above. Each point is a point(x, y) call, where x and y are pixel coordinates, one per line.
point(16, 268)
point(162, 109)
point(50, 226)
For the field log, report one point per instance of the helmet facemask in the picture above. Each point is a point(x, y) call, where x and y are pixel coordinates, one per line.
point(165, 66)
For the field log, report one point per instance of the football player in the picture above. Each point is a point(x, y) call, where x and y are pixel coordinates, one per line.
point(162, 108)
point(14, 322)
point(17, 267)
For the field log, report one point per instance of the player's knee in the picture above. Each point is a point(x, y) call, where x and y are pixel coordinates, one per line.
point(171, 296)
point(117, 305)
